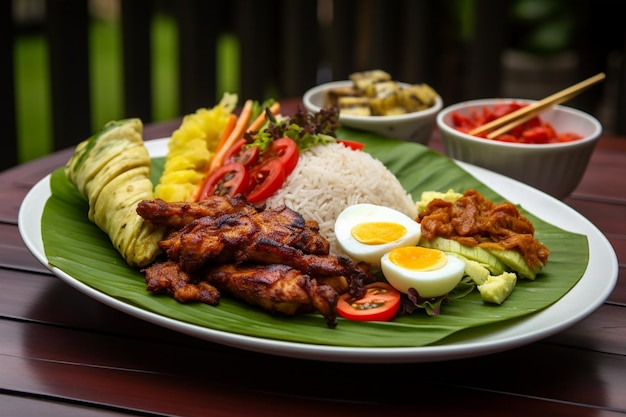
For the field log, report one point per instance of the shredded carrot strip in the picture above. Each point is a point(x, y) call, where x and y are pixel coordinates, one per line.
point(261, 118)
point(234, 130)
point(235, 134)
point(227, 130)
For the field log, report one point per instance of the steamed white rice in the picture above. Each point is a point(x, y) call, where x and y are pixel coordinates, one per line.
point(329, 178)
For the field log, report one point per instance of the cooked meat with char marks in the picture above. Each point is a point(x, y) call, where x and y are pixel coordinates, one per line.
point(179, 214)
point(267, 237)
point(272, 258)
point(233, 237)
point(168, 277)
point(275, 288)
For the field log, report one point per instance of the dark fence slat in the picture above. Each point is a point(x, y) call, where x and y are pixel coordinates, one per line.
point(256, 25)
point(491, 35)
point(136, 20)
point(300, 45)
point(199, 25)
point(421, 49)
point(67, 24)
point(343, 40)
point(9, 155)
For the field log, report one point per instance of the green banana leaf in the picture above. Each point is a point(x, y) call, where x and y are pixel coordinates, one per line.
point(76, 246)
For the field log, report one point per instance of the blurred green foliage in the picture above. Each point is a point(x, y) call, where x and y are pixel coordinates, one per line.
point(34, 124)
point(544, 26)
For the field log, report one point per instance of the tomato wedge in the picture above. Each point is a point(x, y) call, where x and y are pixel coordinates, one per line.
point(380, 303)
point(266, 178)
point(286, 150)
point(248, 156)
point(230, 179)
point(352, 144)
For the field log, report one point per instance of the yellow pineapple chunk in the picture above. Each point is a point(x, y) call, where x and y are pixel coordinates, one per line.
point(191, 149)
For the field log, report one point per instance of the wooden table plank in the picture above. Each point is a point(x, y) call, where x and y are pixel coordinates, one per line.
point(13, 405)
point(48, 300)
point(610, 218)
point(13, 253)
point(151, 376)
point(603, 331)
point(605, 165)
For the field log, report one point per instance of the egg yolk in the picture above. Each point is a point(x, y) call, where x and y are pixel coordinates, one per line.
point(418, 258)
point(378, 233)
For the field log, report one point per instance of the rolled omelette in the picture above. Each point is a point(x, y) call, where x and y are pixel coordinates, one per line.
point(111, 170)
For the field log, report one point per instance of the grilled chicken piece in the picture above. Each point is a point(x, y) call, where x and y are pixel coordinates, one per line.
point(272, 258)
point(322, 266)
point(338, 283)
point(271, 236)
point(168, 277)
point(275, 288)
point(230, 237)
point(179, 214)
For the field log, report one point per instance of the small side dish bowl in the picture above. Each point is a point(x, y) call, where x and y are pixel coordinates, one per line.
point(413, 127)
point(554, 168)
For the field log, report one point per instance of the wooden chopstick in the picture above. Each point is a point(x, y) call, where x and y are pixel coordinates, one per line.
point(509, 121)
point(526, 116)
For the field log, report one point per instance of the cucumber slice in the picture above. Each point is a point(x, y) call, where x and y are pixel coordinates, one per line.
point(475, 253)
point(475, 270)
point(495, 260)
point(515, 262)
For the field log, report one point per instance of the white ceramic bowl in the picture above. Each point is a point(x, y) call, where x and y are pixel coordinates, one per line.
point(555, 168)
point(414, 127)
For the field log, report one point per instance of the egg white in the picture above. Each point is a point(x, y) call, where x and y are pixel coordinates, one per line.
point(428, 284)
point(365, 213)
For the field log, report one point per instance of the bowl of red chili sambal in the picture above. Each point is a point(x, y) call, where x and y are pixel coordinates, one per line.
point(549, 151)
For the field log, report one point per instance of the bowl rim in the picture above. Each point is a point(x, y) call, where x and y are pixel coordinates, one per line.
point(306, 99)
point(593, 136)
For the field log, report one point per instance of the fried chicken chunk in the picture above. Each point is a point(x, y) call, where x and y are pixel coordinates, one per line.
point(168, 277)
point(267, 237)
point(272, 258)
point(179, 214)
point(275, 288)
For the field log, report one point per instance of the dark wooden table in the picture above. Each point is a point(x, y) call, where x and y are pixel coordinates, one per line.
point(62, 353)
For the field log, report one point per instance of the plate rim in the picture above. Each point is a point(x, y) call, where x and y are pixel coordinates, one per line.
point(534, 327)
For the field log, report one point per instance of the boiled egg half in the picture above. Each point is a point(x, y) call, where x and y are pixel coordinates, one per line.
point(430, 272)
point(366, 232)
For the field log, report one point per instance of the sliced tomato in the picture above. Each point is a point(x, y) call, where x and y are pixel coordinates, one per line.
point(506, 138)
point(537, 134)
point(567, 137)
point(239, 152)
point(463, 123)
point(230, 179)
point(265, 179)
point(380, 303)
point(503, 109)
point(286, 150)
point(352, 144)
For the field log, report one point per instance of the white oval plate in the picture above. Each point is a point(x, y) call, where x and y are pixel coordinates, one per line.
point(586, 296)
